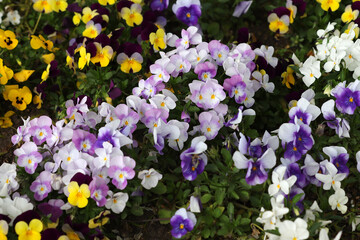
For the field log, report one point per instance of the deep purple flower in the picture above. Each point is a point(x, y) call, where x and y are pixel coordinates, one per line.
point(182, 222)
point(301, 6)
point(339, 157)
point(50, 234)
point(281, 11)
point(52, 207)
point(187, 11)
point(292, 168)
point(193, 160)
point(346, 100)
point(256, 173)
point(295, 191)
point(159, 5)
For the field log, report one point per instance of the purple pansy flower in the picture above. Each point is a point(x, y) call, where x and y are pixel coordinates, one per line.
point(292, 168)
point(209, 124)
point(193, 160)
point(159, 5)
point(128, 118)
point(347, 98)
point(28, 157)
point(311, 168)
point(98, 190)
point(40, 129)
point(218, 51)
point(41, 186)
point(187, 11)
point(84, 141)
point(182, 222)
point(235, 87)
point(52, 207)
point(206, 95)
point(121, 169)
point(339, 157)
point(205, 71)
point(304, 111)
point(256, 173)
point(341, 126)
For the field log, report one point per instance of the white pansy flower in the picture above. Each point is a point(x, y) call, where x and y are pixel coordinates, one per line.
point(150, 178)
point(338, 200)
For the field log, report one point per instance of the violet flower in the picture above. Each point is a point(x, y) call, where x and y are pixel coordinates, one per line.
point(206, 95)
point(311, 167)
point(341, 126)
point(347, 98)
point(128, 119)
point(121, 169)
point(209, 124)
point(189, 36)
point(109, 133)
point(182, 222)
point(40, 129)
point(52, 207)
point(304, 111)
point(256, 173)
point(41, 187)
point(159, 5)
point(242, 8)
point(339, 157)
point(84, 141)
point(205, 71)
point(187, 11)
point(193, 160)
point(98, 191)
point(28, 157)
point(292, 168)
point(235, 87)
point(218, 51)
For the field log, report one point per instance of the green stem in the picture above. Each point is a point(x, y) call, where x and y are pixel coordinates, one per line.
point(245, 207)
point(37, 23)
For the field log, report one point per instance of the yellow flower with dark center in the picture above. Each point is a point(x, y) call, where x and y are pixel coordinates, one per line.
point(6, 122)
point(78, 196)
point(8, 39)
point(42, 6)
point(132, 15)
point(20, 98)
point(7, 90)
point(41, 42)
point(99, 220)
point(6, 73)
point(103, 55)
point(158, 39)
point(23, 75)
point(329, 4)
point(29, 232)
point(58, 5)
point(288, 77)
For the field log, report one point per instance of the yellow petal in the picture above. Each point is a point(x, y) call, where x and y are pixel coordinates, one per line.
point(21, 227)
point(36, 225)
point(23, 75)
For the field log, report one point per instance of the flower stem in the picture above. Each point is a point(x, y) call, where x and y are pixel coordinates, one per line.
point(37, 23)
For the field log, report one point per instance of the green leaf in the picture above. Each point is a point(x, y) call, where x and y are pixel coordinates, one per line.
point(230, 210)
point(205, 198)
point(275, 232)
point(164, 213)
point(244, 196)
point(206, 233)
point(234, 195)
point(217, 212)
point(159, 189)
point(245, 221)
point(219, 195)
point(137, 210)
point(297, 198)
point(244, 184)
point(226, 155)
point(193, 109)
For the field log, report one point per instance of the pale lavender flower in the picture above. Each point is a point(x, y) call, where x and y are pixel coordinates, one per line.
point(181, 65)
point(98, 191)
point(121, 169)
point(218, 51)
point(189, 36)
point(23, 133)
point(311, 167)
point(159, 73)
point(235, 87)
point(40, 129)
point(117, 201)
point(80, 106)
point(178, 143)
point(28, 157)
point(242, 8)
point(205, 71)
point(209, 124)
point(84, 141)
point(68, 157)
point(41, 187)
point(206, 95)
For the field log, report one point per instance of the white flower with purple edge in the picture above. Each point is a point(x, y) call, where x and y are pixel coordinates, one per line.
point(28, 157)
point(41, 187)
point(121, 169)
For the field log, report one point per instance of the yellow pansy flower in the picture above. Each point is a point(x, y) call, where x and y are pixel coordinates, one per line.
point(103, 55)
point(8, 39)
point(78, 196)
point(99, 220)
point(58, 5)
point(6, 122)
point(23, 75)
point(132, 15)
point(20, 98)
point(158, 39)
point(84, 58)
point(288, 77)
point(105, 2)
point(41, 42)
point(7, 90)
point(92, 30)
point(349, 15)
point(4, 228)
point(88, 14)
point(6, 73)
point(76, 18)
point(29, 232)
point(42, 6)
point(279, 24)
point(45, 74)
point(132, 63)
point(329, 4)
point(48, 58)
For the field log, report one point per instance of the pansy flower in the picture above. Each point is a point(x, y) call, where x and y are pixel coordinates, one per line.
point(6, 73)
point(23, 75)
point(8, 39)
point(278, 24)
point(20, 98)
point(329, 4)
point(121, 169)
point(159, 5)
point(130, 64)
point(42, 6)
point(103, 55)
point(29, 231)
point(132, 15)
point(78, 196)
point(37, 42)
point(92, 29)
point(182, 222)
point(5, 121)
point(187, 11)
point(41, 187)
point(88, 14)
point(58, 5)
point(28, 157)
point(158, 39)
